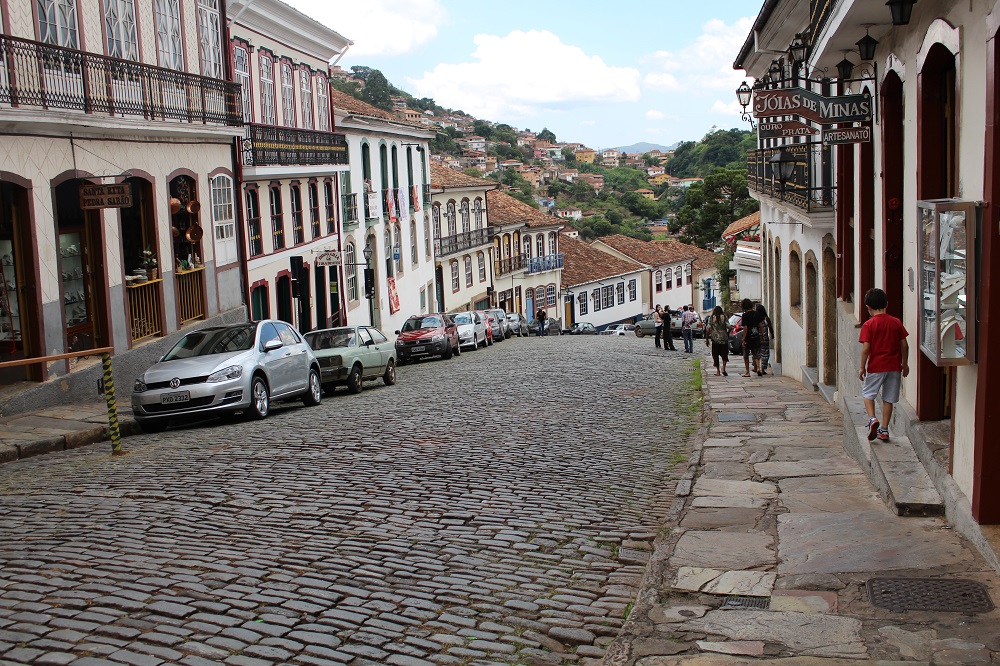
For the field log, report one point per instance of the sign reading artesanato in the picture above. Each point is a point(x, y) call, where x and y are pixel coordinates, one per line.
point(812, 106)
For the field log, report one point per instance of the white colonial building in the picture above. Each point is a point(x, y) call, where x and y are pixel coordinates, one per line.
point(463, 240)
point(601, 289)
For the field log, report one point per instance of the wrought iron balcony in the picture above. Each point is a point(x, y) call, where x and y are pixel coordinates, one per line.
point(270, 145)
point(549, 262)
point(806, 188)
point(463, 241)
point(33, 74)
point(350, 205)
point(427, 195)
point(509, 265)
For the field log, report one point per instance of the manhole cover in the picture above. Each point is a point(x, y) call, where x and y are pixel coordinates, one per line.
point(931, 594)
point(747, 602)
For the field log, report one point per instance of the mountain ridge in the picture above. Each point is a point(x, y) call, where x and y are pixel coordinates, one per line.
point(645, 147)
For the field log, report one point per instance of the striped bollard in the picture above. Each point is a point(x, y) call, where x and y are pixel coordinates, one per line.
point(109, 394)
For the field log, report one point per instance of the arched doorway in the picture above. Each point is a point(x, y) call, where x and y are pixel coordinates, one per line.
point(811, 314)
point(82, 269)
point(778, 315)
point(829, 313)
point(284, 295)
point(937, 178)
point(892, 192)
point(20, 332)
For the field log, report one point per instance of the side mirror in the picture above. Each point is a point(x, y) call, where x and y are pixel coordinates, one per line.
point(271, 345)
point(397, 332)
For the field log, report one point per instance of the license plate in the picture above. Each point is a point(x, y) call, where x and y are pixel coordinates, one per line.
point(418, 348)
point(170, 398)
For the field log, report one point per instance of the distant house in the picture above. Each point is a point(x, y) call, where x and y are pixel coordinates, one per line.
point(570, 213)
point(744, 237)
point(477, 143)
point(655, 171)
point(610, 158)
point(585, 155)
point(600, 289)
point(569, 175)
point(646, 193)
point(659, 179)
point(688, 182)
point(595, 180)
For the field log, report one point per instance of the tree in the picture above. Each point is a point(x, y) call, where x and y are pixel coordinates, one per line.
point(546, 135)
point(713, 205)
point(650, 160)
point(361, 72)
point(483, 129)
point(568, 154)
point(376, 91)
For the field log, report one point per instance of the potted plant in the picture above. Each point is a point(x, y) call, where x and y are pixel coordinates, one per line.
point(148, 261)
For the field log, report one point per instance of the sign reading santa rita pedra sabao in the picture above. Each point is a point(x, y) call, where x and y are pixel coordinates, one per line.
point(812, 106)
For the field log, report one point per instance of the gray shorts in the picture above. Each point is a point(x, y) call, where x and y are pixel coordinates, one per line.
point(888, 382)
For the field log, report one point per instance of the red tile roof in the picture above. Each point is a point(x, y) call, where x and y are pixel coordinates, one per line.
point(750, 221)
point(443, 177)
point(505, 209)
point(702, 258)
point(584, 264)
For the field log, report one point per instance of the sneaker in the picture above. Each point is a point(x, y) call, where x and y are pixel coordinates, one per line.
point(873, 425)
point(883, 434)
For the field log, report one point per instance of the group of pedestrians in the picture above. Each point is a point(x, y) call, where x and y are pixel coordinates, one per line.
point(662, 325)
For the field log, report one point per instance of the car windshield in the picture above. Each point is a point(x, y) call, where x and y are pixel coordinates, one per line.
point(512, 317)
point(463, 318)
point(418, 323)
point(210, 341)
point(333, 338)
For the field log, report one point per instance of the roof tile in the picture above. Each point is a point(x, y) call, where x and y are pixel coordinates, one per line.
point(742, 224)
point(505, 209)
point(443, 177)
point(584, 264)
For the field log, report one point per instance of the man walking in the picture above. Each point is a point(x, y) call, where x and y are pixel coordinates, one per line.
point(540, 317)
point(668, 334)
point(688, 319)
point(657, 325)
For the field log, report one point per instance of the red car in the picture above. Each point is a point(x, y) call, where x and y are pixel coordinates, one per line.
point(433, 334)
point(491, 324)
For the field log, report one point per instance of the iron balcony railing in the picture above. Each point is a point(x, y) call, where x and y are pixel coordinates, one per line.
point(549, 262)
point(33, 74)
point(270, 145)
point(350, 205)
point(391, 200)
point(427, 195)
point(509, 265)
point(806, 188)
point(464, 241)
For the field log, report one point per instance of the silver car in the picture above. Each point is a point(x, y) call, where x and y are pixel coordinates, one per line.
point(471, 330)
point(224, 369)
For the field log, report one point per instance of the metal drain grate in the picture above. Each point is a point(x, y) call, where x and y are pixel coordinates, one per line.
point(931, 594)
point(762, 603)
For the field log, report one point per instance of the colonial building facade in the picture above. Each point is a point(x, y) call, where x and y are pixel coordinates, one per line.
point(601, 289)
point(117, 223)
point(909, 205)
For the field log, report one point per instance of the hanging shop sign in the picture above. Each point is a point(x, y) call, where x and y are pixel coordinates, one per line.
point(105, 196)
point(812, 106)
point(832, 137)
point(785, 128)
point(328, 258)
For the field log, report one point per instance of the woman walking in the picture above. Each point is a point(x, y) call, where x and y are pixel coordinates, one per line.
point(766, 335)
point(717, 333)
point(750, 323)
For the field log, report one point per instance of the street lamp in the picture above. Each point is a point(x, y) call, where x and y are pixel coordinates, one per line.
point(844, 68)
point(900, 10)
point(369, 281)
point(743, 94)
point(783, 164)
point(797, 50)
point(866, 46)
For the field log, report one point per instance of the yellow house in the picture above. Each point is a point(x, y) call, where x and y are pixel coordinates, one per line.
point(585, 155)
point(658, 179)
point(648, 194)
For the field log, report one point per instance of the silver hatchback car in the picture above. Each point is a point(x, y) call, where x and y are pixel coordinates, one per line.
point(222, 369)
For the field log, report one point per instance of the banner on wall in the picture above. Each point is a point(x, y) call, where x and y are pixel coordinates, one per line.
point(393, 296)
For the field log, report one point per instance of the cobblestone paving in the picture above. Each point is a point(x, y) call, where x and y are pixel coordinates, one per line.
point(494, 508)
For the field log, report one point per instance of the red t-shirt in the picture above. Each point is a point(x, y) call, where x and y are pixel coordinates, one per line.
point(885, 333)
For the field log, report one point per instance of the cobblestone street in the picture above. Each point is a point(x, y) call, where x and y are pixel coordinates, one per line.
point(498, 507)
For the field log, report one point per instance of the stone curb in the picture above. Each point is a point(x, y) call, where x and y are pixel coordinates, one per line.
point(19, 450)
point(656, 577)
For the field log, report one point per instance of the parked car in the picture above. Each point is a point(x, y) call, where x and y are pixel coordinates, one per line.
point(518, 324)
point(675, 324)
point(501, 318)
point(736, 334)
point(551, 327)
point(619, 329)
point(496, 330)
point(581, 328)
point(471, 329)
point(433, 334)
point(225, 369)
point(350, 355)
point(645, 326)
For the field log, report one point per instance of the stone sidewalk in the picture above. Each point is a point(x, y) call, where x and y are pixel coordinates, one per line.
point(58, 429)
point(773, 540)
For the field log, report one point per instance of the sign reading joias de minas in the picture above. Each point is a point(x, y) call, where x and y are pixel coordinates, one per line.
point(812, 106)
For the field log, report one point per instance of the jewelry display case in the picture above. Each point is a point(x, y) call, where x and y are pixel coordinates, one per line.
point(946, 247)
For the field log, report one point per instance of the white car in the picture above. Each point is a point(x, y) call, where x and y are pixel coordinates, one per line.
point(471, 329)
point(619, 329)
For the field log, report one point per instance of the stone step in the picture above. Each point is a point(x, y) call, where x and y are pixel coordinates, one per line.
point(892, 467)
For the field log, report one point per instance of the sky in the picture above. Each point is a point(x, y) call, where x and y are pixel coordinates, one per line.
point(605, 74)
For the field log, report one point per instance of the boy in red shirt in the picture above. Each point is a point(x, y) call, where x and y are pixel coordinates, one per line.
point(883, 361)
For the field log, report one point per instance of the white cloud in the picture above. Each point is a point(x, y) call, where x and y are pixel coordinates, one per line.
point(378, 27)
point(653, 114)
point(526, 73)
point(731, 108)
point(705, 64)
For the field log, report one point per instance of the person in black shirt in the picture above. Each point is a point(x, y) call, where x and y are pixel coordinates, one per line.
point(751, 337)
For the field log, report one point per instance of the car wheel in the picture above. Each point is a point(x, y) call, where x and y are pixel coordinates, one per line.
point(314, 395)
point(447, 353)
point(153, 427)
point(458, 350)
point(639, 333)
point(260, 399)
point(354, 381)
point(389, 376)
